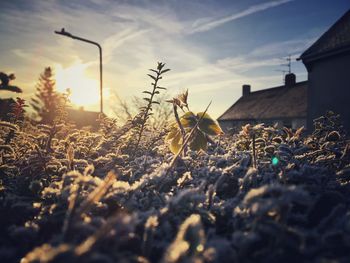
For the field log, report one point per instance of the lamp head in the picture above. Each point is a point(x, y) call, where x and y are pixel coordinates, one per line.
point(64, 33)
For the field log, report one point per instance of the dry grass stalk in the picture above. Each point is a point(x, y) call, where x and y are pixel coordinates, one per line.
point(87, 245)
point(71, 209)
point(98, 192)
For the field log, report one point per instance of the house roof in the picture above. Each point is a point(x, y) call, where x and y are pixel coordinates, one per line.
point(335, 40)
point(83, 118)
point(273, 103)
point(5, 108)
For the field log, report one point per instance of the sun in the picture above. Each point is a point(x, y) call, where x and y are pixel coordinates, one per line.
point(84, 91)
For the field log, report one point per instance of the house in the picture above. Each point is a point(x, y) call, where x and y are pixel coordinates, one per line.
point(298, 104)
point(82, 118)
point(79, 117)
point(285, 105)
point(5, 108)
point(328, 65)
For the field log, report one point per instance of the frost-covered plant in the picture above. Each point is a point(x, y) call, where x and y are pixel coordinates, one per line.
point(201, 122)
point(16, 116)
point(107, 125)
point(50, 131)
point(251, 133)
point(17, 110)
point(189, 241)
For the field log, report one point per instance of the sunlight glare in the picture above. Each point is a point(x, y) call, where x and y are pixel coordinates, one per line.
point(84, 91)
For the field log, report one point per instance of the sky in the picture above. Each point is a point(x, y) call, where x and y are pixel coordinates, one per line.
point(212, 47)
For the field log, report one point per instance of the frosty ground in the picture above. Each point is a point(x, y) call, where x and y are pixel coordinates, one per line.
point(73, 195)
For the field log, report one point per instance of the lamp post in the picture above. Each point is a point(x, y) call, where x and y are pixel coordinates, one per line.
point(65, 33)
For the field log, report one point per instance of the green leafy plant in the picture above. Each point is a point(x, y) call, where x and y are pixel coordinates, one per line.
point(206, 127)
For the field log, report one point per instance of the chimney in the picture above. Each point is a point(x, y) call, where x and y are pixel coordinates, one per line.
point(289, 80)
point(245, 90)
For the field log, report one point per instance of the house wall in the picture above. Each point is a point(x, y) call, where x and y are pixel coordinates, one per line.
point(299, 122)
point(329, 88)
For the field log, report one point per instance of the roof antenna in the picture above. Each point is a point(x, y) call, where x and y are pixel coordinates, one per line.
point(288, 68)
point(288, 59)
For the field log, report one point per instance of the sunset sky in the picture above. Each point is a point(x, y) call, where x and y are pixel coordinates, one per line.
point(212, 47)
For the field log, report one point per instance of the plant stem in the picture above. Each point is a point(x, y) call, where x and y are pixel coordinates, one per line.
point(183, 133)
point(149, 106)
point(254, 151)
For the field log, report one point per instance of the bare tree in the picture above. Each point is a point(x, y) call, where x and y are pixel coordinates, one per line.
point(126, 110)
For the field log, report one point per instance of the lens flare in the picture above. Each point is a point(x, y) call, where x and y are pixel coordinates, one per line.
point(275, 160)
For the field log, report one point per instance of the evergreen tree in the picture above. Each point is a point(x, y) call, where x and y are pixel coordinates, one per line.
point(47, 99)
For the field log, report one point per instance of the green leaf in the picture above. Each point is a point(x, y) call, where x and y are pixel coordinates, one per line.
point(208, 125)
point(153, 77)
point(188, 120)
point(35, 101)
point(153, 70)
point(172, 133)
point(160, 65)
point(165, 70)
point(176, 143)
point(35, 107)
point(199, 141)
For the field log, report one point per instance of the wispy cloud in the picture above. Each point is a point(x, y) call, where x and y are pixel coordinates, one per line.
point(245, 63)
point(269, 55)
point(117, 40)
point(283, 48)
point(205, 25)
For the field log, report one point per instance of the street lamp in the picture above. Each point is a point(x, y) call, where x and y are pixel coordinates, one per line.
point(65, 33)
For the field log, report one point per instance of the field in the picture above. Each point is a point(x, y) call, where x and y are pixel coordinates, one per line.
point(73, 195)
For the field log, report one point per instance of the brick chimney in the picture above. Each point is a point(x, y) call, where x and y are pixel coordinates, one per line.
point(289, 80)
point(245, 90)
